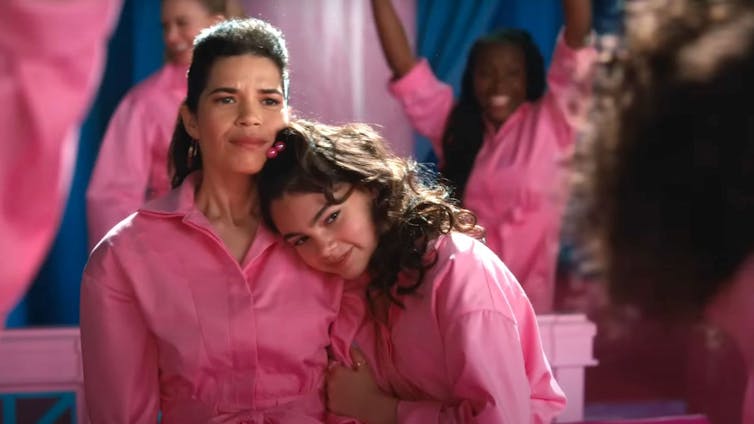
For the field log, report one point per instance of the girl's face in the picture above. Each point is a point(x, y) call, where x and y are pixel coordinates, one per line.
point(334, 238)
point(238, 115)
point(182, 20)
point(500, 80)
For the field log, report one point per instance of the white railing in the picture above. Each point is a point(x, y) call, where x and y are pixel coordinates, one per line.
point(44, 360)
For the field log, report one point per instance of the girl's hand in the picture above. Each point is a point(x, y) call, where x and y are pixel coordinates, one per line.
point(353, 392)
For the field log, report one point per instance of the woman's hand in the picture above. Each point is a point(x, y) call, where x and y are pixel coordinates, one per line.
point(354, 393)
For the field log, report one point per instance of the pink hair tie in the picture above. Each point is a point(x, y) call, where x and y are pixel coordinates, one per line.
point(276, 148)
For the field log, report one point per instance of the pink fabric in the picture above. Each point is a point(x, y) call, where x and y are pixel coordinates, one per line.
point(337, 63)
point(132, 165)
point(51, 58)
point(517, 187)
point(689, 419)
point(466, 348)
point(748, 408)
point(170, 321)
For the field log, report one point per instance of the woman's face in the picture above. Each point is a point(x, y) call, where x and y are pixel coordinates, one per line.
point(239, 113)
point(334, 238)
point(182, 20)
point(500, 80)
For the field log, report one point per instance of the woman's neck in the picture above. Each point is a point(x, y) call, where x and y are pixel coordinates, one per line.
point(227, 198)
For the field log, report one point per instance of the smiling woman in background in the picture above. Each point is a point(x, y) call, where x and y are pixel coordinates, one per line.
point(502, 144)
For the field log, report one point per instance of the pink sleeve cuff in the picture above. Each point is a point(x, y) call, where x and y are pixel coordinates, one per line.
point(426, 100)
point(420, 78)
point(576, 63)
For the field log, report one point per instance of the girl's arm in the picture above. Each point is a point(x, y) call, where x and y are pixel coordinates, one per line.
point(393, 38)
point(489, 381)
point(578, 22)
point(353, 392)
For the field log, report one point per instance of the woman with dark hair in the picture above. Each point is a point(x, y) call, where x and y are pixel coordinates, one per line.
point(671, 166)
point(190, 307)
point(131, 166)
point(422, 291)
point(503, 143)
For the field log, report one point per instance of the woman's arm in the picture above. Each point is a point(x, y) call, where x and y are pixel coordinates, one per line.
point(120, 177)
point(119, 352)
point(393, 38)
point(578, 22)
point(569, 79)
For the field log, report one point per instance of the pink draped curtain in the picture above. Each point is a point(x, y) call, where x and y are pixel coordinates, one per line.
point(338, 73)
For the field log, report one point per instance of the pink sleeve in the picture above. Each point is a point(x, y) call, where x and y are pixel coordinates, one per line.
point(546, 397)
point(748, 411)
point(507, 378)
point(347, 324)
point(569, 88)
point(490, 378)
point(119, 352)
point(121, 174)
point(51, 57)
point(427, 102)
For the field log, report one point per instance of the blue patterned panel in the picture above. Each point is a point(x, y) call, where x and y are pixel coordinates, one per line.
point(38, 408)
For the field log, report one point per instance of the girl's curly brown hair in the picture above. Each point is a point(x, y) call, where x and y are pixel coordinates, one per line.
point(668, 170)
point(410, 208)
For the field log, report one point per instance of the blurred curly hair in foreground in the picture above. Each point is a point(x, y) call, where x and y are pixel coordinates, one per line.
point(665, 174)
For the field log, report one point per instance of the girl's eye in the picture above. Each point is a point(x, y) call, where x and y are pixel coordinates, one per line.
point(225, 100)
point(332, 217)
point(299, 241)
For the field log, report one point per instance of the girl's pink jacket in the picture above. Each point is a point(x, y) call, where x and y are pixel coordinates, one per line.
point(465, 348)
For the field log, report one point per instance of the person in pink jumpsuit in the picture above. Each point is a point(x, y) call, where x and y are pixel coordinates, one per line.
point(670, 167)
point(189, 307)
point(46, 86)
point(445, 332)
point(132, 164)
point(503, 144)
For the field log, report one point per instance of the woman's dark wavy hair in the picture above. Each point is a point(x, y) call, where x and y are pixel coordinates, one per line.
point(464, 131)
point(669, 171)
point(409, 210)
point(229, 38)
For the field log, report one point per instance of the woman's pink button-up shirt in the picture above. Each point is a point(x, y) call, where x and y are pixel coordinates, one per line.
point(466, 347)
point(517, 187)
point(170, 321)
point(132, 164)
point(51, 58)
